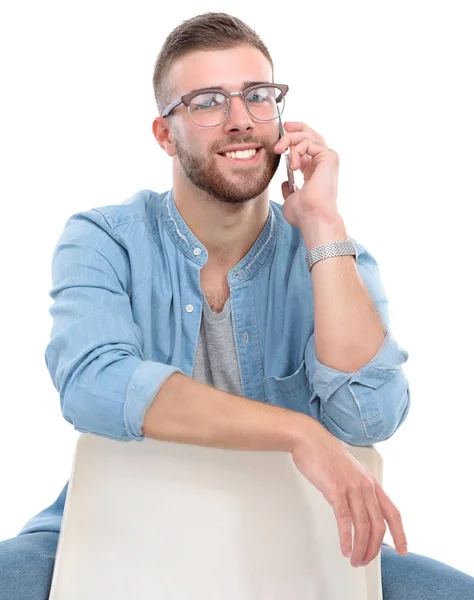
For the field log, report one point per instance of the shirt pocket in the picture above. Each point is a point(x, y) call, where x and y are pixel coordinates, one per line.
point(292, 392)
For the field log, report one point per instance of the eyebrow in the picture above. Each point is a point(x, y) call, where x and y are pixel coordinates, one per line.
point(246, 85)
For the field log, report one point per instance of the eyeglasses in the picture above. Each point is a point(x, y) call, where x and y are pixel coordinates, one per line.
point(209, 107)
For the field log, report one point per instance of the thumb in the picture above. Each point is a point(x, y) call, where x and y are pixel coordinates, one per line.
point(285, 189)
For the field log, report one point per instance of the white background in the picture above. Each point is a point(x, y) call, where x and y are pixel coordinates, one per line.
point(389, 86)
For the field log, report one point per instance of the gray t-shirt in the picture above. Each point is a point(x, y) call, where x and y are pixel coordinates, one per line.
point(216, 361)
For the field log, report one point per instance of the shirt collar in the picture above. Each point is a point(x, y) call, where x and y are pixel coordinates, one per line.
point(187, 242)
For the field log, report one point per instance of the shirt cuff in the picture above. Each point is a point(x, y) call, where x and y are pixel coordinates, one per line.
point(144, 384)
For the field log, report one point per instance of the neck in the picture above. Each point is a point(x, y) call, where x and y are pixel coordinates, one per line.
point(227, 231)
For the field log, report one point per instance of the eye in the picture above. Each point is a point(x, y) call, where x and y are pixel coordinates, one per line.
point(255, 97)
point(263, 94)
point(207, 101)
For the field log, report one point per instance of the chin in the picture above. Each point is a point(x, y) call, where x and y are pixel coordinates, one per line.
point(229, 197)
point(231, 188)
point(240, 189)
point(232, 193)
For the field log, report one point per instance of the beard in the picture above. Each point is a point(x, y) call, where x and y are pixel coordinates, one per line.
point(207, 175)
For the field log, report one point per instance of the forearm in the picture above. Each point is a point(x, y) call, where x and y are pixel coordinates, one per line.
point(347, 328)
point(187, 411)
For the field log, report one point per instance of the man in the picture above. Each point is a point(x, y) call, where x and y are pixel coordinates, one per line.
point(210, 315)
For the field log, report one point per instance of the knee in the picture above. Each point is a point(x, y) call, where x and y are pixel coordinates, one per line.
point(413, 576)
point(26, 566)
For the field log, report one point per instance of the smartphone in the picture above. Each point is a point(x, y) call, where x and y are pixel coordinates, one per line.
point(291, 176)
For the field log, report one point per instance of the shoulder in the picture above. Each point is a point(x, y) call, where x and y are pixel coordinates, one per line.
point(110, 224)
point(144, 206)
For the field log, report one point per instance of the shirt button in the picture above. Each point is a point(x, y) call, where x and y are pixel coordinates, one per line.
point(189, 308)
point(197, 251)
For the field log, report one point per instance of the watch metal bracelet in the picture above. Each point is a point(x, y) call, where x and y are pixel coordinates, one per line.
point(329, 250)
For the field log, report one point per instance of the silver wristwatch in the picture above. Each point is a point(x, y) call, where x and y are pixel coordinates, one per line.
point(344, 248)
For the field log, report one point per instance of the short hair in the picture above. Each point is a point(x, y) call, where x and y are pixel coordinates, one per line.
point(208, 31)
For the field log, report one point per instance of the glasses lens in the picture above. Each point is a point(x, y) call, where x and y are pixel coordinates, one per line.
point(208, 109)
point(265, 103)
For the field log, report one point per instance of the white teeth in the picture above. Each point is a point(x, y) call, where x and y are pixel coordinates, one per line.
point(242, 153)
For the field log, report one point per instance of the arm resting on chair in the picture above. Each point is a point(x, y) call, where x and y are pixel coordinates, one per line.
point(185, 410)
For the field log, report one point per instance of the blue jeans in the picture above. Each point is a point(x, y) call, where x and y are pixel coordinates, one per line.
point(27, 561)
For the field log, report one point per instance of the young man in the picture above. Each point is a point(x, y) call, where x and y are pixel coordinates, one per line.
point(210, 315)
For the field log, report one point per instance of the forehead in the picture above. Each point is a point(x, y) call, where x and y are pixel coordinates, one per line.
point(228, 68)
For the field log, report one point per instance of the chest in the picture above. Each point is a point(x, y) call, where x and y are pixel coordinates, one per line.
point(216, 290)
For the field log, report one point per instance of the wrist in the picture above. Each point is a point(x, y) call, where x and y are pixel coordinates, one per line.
point(321, 230)
point(305, 430)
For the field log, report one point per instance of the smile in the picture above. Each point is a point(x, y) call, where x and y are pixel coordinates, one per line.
point(249, 157)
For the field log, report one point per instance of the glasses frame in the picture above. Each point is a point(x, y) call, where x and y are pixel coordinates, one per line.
point(187, 98)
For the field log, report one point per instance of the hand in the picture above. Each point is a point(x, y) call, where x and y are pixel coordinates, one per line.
point(320, 167)
point(355, 495)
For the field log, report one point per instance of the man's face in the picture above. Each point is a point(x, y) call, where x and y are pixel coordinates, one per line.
point(198, 148)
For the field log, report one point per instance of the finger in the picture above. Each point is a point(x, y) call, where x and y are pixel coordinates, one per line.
point(285, 190)
point(293, 139)
point(295, 158)
point(361, 520)
point(394, 520)
point(310, 148)
point(298, 161)
point(377, 523)
point(297, 126)
point(287, 140)
point(344, 524)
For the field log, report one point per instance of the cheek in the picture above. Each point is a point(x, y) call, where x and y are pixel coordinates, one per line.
point(199, 141)
point(199, 147)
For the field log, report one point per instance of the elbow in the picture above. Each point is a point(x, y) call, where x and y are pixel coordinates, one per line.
point(93, 396)
point(111, 395)
point(395, 413)
point(362, 416)
point(353, 431)
point(88, 413)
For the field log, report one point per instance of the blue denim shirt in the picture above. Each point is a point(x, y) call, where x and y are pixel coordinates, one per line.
point(127, 314)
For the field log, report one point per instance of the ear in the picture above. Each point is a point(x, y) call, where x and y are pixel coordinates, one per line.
point(163, 135)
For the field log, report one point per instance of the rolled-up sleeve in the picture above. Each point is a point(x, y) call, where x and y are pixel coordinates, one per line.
point(95, 355)
point(368, 406)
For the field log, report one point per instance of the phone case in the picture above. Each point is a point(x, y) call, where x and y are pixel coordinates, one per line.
point(291, 177)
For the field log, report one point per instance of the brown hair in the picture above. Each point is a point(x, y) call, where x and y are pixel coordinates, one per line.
point(208, 31)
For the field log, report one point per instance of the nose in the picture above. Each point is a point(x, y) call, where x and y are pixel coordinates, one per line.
point(238, 120)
